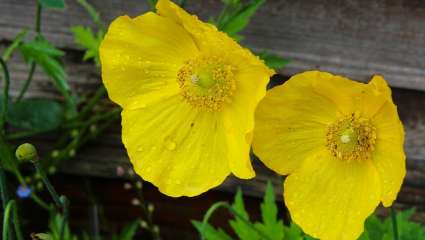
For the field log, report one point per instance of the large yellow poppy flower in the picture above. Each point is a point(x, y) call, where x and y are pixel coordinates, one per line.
point(188, 93)
point(340, 141)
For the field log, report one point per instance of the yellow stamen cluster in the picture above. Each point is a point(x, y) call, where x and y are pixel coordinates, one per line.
point(207, 82)
point(351, 138)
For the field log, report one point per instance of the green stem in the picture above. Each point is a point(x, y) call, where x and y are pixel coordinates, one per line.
point(95, 119)
point(37, 29)
point(27, 82)
point(218, 205)
point(146, 212)
point(17, 224)
point(394, 223)
point(26, 134)
point(38, 18)
point(6, 219)
point(3, 188)
point(34, 196)
point(49, 186)
point(92, 102)
point(5, 102)
point(65, 205)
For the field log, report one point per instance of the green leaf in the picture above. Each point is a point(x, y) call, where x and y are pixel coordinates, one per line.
point(293, 232)
point(239, 226)
point(60, 4)
point(86, 39)
point(270, 226)
point(48, 57)
point(209, 232)
point(129, 231)
point(375, 229)
point(16, 42)
point(35, 114)
point(152, 3)
point(7, 156)
point(272, 60)
point(235, 16)
point(94, 14)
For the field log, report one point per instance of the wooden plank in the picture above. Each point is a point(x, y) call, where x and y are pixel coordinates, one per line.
point(353, 38)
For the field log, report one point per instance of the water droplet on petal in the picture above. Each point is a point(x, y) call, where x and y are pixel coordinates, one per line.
point(170, 145)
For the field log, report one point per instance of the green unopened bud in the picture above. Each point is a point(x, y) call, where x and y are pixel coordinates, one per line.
point(26, 152)
point(74, 133)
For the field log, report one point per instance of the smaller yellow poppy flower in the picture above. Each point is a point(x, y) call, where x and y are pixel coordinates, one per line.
point(340, 141)
point(188, 93)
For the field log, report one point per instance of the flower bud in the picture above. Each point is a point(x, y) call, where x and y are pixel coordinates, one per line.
point(26, 152)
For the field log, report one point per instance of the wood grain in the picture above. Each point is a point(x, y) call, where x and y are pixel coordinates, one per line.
point(353, 38)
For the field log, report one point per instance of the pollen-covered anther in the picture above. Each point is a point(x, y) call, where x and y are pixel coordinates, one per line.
point(351, 138)
point(207, 82)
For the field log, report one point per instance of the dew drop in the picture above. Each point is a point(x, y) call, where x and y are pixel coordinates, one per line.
point(170, 145)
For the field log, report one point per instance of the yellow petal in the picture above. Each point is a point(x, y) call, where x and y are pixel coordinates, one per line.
point(330, 199)
point(143, 55)
point(239, 118)
point(389, 156)
point(375, 94)
point(206, 36)
point(291, 122)
point(179, 150)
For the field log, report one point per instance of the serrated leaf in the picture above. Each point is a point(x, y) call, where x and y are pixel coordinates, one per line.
point(376, 229)
point(89, 41)
point(48, 57)
point(35, 114)
point(60, 4)
point(209, 232)
point(240, 227)
point(270, 226)
point(272, 60)
point(293, 232)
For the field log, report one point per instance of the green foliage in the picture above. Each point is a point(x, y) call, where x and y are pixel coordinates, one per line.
point(15, 43)
point(235, 16)
point(95, 16)
point(7, 159)
point(269, 213)
point(48, 57)
point(237, 224)
point(60, 4)
point(85, 37)
point(210, 232)
point(128, 232)
point(55, 225)
point(270, 226)
point(272, 60)
point(376, 229)
point(35, 114)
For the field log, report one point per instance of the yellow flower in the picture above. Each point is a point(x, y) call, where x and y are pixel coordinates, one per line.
point(340, 141)
point(188, 94)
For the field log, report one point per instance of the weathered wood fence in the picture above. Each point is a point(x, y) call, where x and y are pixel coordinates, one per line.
point(352, 38)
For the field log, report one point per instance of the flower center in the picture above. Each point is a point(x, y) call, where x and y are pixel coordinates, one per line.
point(207, 82)
point(351, 138)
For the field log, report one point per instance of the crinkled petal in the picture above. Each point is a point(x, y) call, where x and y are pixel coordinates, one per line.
point(389, 157)
point(179, 150)
point(291, 121)
point(330, 199)
point(140, 58)
point(239, 118)
point(206, 36)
